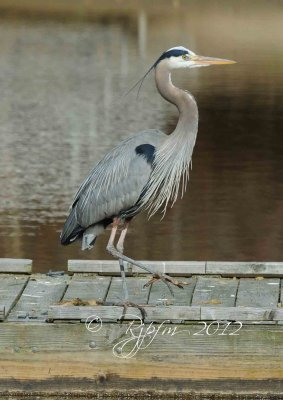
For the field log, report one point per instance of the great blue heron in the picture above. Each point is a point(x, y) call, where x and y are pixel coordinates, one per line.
point(142, 172)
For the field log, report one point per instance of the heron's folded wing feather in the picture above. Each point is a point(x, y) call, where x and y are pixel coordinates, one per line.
point(116, 182)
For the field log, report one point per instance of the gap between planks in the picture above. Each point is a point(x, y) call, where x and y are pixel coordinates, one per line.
point(2, 313)
point(11, 289)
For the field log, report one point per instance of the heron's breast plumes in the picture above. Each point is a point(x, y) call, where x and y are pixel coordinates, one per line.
point(170, 172)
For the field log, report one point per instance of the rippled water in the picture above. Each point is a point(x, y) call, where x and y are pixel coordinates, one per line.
point(62, 107)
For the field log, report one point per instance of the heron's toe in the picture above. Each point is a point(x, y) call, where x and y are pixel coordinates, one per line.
point(166, 279)
point(127, 303)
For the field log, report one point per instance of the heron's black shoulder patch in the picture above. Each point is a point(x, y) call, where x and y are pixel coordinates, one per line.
point(147, 151)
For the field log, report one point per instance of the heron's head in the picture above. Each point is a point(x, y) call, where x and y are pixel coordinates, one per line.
point(180, 57)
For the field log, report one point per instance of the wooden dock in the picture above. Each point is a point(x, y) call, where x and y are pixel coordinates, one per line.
point(221, 335)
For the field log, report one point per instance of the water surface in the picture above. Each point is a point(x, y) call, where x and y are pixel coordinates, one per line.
point(62, 108)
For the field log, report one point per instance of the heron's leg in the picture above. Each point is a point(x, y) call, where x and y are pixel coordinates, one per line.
point(110, 245)
point(117, 254)
point(120, 245)
point(111, 248)
point(120, 248)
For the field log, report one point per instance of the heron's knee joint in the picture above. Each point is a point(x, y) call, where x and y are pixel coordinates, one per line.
point(120, 248)
point(112, 250)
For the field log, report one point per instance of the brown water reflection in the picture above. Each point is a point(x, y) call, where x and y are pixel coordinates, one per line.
point(62, 81)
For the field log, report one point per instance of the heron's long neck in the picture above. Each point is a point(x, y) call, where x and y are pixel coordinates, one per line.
point(186, 104)
point(173, 156)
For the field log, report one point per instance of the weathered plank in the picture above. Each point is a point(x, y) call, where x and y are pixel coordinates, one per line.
point(11, 287)
point(96, 266)
point(40, 358)
point(245, 268)
point(104, 313)
point(2, 312)
point(179, 268)
point(14, 265)
point(220, 292)
point(76, 337)
point(40, 292)
point(278, 315)
point(172, 313)
point(160, 294)
point(114, 313)
point(42, 337)
point(137, 292)
point(241, 314)
point(183, 268)
point(258, 293)
point(87, 287)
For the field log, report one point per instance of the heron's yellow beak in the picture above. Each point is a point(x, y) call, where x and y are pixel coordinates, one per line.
point(200, 60)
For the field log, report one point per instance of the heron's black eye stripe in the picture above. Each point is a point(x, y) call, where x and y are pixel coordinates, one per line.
point(171, 53)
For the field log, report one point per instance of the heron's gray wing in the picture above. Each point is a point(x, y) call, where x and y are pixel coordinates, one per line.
point(116, 182)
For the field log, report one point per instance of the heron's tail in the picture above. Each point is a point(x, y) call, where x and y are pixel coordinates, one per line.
point(90, 235)
point(71, 230)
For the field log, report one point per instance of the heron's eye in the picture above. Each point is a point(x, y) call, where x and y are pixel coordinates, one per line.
point(185, 56)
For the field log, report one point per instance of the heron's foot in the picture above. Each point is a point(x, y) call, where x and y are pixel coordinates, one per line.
point(157, 276)
point(126, 304)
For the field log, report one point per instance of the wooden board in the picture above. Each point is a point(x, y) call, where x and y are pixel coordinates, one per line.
point(258, 293)
point(39, 356)
point(95, 266)
point(88, 287)
point(278, 315)
point(245, 268)
point(183, 268)
point(48, 358)
point(172, 313)
point(114, 313)
point(13, 265)
point(243, 314)
point(257, 298)
point(137, 292)
point(11, 288)
point(160, 294)
point(220, 292)
point(82, 313)
point(40, 292)
point(205, 294)
point(177, 314)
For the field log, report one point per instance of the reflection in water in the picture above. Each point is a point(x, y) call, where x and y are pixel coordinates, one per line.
point(62, 108)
